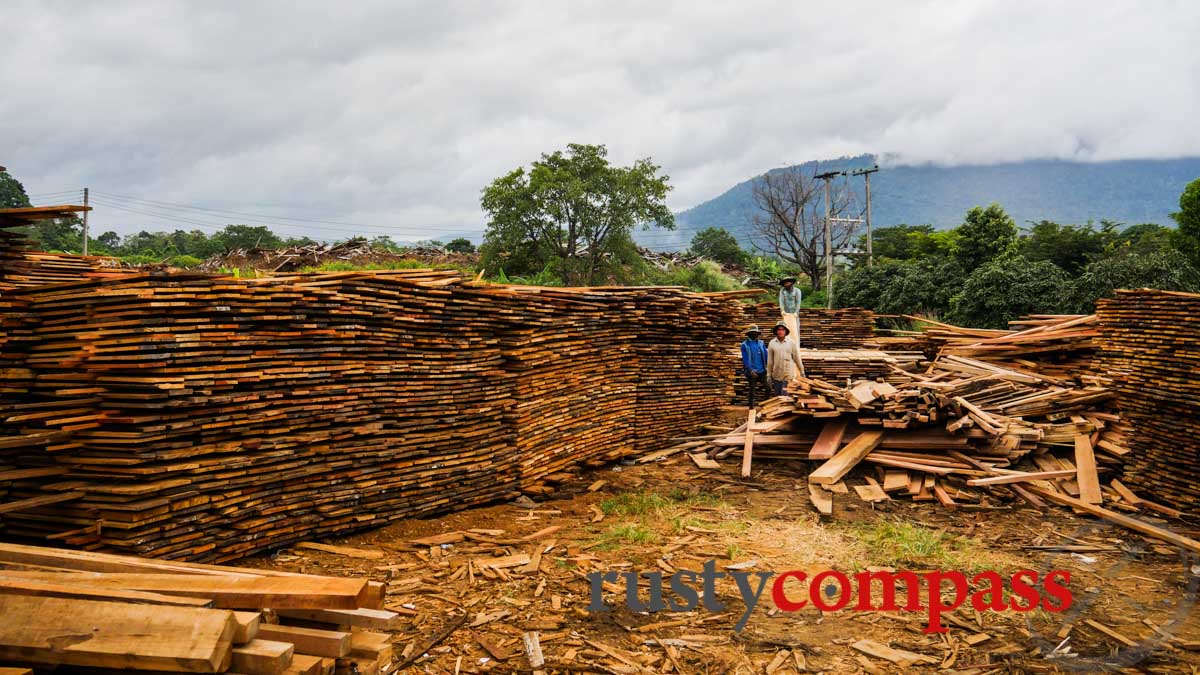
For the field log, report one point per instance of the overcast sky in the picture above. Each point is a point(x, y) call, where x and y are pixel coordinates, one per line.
point(395, 114)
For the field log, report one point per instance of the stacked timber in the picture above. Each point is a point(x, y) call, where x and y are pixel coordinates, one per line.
point(21, 267)
point(207, 418)
point(819, 328)
point(1057, 345)
point(1148, 349)
point(76, 610)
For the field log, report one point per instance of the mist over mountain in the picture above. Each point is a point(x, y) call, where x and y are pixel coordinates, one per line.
point(1128, 191)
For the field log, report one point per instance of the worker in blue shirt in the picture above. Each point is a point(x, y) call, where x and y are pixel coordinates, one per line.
point(754, 363)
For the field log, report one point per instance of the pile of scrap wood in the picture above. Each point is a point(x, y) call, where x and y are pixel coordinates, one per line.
point(81, 609)
point(955, 433)
point(1056, 345)
point(254, 413)
point(357, 251)
point(1149, 350)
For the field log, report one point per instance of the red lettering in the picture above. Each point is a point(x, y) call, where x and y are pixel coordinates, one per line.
point(816, 591)
point(936, 607)
point(994, 592)
point(887, 581)
point(1024, 591)
point(780, 597)
point(1057, 591)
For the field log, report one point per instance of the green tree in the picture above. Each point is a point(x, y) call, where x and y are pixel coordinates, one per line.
point(1071, 247)
point(1187, 236)
point(385, 243)
point(1165, 269)
point(12, 193)
point(572, 212)
point(716, 243)
point(984, 235)
point(460, 245)
point(923, 286)
point(247, 237)
point(1007, 288)
point(1143, 238)
point(908, 242)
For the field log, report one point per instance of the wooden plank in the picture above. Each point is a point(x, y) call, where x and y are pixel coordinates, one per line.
point(304, 664)
point(262, 657)
point(840, 464)
point(225, 592)
point(38, 502)
point(115, 635)
point(900, 657)
point(1085, 464)
point(1120, 519)
point(19, 586)
point(1021, 477)
point(829, 440)
point(372, 619)
point(247, 626)
point(365, 554)
point(309, 640)
point(821, 498)
point(1110, 633)
point(748, 446)
point(702, 461)
point(871, 492)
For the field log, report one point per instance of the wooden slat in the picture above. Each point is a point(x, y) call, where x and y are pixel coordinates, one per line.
point(837, 467)
point(115, 635)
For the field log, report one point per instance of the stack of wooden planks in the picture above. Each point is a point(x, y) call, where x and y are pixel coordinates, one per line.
point(21, 267)
point(208, 418)
point(76, 609)
point(819, 328)
point(1148, 347)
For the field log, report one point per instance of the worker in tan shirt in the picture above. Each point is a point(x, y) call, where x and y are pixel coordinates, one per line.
point(783, 359)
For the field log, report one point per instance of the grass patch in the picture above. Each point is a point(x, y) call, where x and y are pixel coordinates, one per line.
point(633, 504)
point(899, 544)
point(629, 533)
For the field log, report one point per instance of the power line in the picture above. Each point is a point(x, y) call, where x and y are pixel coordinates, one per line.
point(273, 220)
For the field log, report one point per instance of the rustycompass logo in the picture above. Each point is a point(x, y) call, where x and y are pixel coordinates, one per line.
point(931, 593)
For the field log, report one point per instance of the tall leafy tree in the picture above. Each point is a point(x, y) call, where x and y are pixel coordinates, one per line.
point(1187, 236)
point(716, 243)
point(986, 233)
point(1006, 288)
point(1071, 247)
point(12, 193)
point(573, 212)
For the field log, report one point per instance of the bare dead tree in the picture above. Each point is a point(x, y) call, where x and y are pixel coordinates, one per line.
point(789, 220)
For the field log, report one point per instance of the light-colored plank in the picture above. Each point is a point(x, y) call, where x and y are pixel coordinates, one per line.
point(247, 626)
point(115, 635)
point(1021, 477)
point(821, 498)
point(10, 586)
point(1085, 465)
point(846, 459)
point(1120, 519)
point(226, 592)
point(748, 446)
point(262, 657)
point(351, 552)
point(309, 640)
point(373, 619)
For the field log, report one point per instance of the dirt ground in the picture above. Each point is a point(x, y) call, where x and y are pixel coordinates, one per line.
point(671, 515)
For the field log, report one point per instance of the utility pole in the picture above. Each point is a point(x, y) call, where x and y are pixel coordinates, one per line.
point(85, 219)
point(828, 238)
point(866, 174)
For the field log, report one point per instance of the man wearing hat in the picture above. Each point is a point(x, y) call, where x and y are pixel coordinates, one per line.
point(754, 363)
point(789, 306)
point(783, 359)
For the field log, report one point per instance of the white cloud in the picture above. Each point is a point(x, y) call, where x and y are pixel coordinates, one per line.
point(396, 114)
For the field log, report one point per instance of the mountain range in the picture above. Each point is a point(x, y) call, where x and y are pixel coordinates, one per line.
point(1127, 191)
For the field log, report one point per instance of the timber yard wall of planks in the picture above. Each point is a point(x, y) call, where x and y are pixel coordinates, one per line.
point(208, 418)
